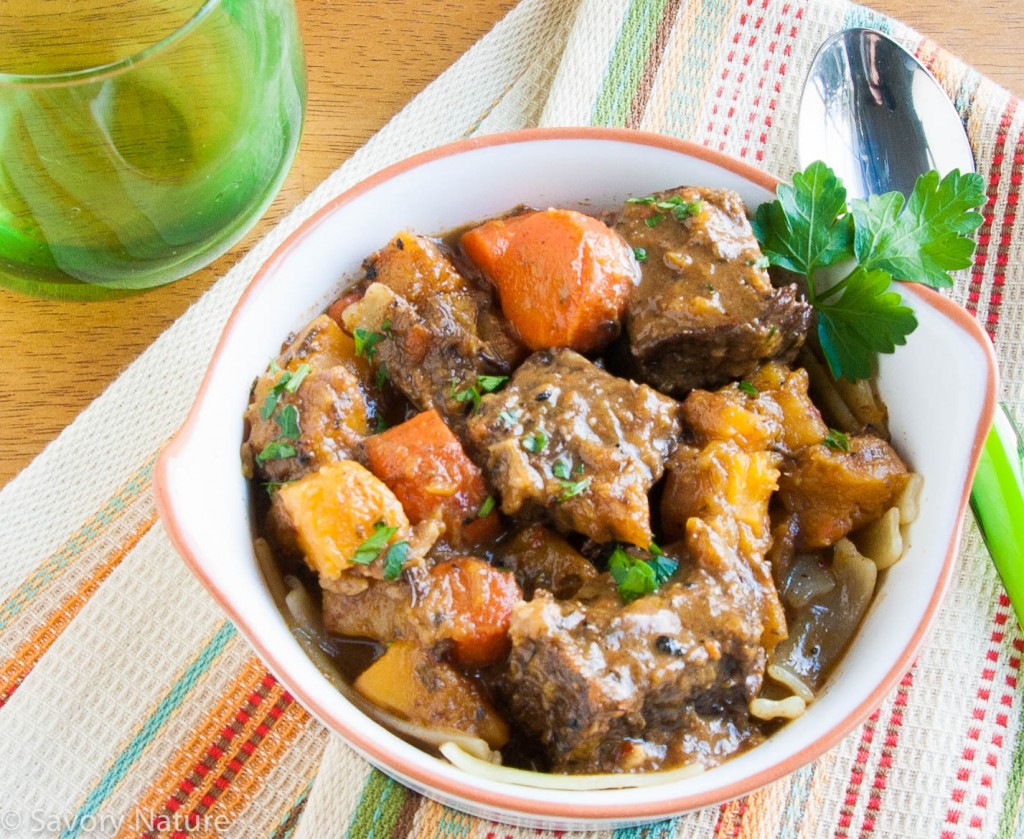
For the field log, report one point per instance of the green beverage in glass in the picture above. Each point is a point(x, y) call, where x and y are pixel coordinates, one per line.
point(139, 139)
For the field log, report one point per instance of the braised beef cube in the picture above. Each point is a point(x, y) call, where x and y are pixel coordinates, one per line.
point(541, 559)
point(314, 386)
point(571, 442)
point(705, 311)
point(378, 610)
point(433, 331)
point(834, 492)
point(589, 678)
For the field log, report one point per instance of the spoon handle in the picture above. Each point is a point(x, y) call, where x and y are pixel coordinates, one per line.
point(997, 498)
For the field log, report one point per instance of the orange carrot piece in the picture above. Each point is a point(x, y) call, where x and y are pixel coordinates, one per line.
point(564, 278)
point(425, 466)
point(469, 603)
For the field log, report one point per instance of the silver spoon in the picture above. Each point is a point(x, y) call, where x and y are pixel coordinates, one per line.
point(873, 113)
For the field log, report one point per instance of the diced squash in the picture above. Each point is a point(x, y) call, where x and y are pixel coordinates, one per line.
point(335, 510)
point(802, 424)
point(732, 414)
point(833, 492)
point(469, 604)
point(721, 481)
point(564, 278)
point(410, 683)
point(425, 466)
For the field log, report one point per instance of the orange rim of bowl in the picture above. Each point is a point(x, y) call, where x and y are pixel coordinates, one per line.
point(523, 804)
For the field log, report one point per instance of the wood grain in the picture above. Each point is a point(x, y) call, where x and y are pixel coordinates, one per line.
point(365, 60)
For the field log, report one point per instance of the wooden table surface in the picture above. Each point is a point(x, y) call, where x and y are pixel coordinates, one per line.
point(365, 60)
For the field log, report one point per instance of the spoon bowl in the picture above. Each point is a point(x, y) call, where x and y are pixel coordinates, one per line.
point(877, 116)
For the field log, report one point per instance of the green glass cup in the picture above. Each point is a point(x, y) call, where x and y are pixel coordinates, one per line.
point(139, 139)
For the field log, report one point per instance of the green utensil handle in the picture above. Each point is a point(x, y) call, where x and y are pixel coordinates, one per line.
point(997, 498)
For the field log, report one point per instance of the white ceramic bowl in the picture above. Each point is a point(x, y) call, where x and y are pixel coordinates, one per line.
point(940, 389)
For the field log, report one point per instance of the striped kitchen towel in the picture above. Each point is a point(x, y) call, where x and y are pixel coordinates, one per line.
point(129, 706)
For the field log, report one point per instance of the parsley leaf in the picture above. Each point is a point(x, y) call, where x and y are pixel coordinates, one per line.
point(286, 382)
point(867, 319)
point(366, 342)
point(570, 489)
point(288, 421)
point(801, 229)
point(510, 417)
point(640, 254)
point(926, 238)
point(647, 199)
point(747, 388)
point(276, 450)
point(655, 220)
point(837, 440)
point(636, 577)
point(295, 379)
point(369, 550)
point(808, 228)
point(536, 441)
point(489, 384)
point(394, 559)
point(486, 507)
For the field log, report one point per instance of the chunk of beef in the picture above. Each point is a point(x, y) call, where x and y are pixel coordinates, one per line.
point(705, 311)
point(329, 404)
point(607, 687)
point(438, 332)
point(833, 492)
point(380, 611)
point(568, 440)
point(541, 559)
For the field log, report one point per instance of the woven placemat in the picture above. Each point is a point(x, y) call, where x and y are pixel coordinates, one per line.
point(125, 712)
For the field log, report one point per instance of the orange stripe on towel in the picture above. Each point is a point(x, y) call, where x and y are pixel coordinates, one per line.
point(28, 654)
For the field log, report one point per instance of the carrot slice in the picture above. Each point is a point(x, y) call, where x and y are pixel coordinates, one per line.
point(426, 468)
point(564, 278)
point(469, 603)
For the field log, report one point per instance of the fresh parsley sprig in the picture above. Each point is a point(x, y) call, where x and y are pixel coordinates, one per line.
point(636, 577)
point(809, 227)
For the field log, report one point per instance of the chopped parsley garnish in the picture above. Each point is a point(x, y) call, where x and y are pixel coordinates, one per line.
point(474, 393)
point(510, 417)
point(637, 577)
point(536, 441)
point(747, 388)
point(837, 440)
point(276, 450)
point(647, 199)
point(366, 341)
point(680, 208)
point(640, 254)
point(382, 376)
point(380, 424)
point(486, 507)
point(369, 550)
point(761, 262)
point(489, 384)
point(394, 559)
point(810, 227)
point(655, 220)
point(561, 469)
point(570, 489)
point(287, 381)
point(287, 420)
